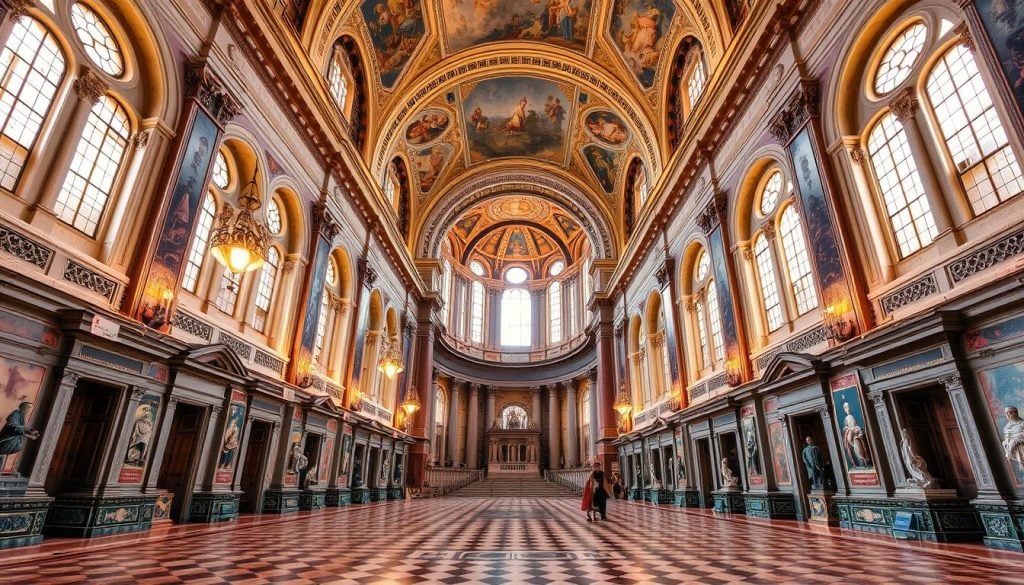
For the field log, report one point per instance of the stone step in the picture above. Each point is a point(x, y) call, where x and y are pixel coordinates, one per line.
point(504, 486)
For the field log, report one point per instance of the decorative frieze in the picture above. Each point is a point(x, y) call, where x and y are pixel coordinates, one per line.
point(909, 294)
point(24, 248)
point(243, 349)
point(987, 257)
point(264, 359)
point(78, 274)
point(192, 326)
point(764, 359)
point(807, 340)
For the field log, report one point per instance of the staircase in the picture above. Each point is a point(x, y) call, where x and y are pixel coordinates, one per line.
point(513, 486)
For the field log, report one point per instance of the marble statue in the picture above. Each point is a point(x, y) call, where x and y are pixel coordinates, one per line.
point(729, 480)
point(814, 461)
point(655, 482)
point(1013, 436)
point(311, 478)
point(917, 467)
point(299, 459)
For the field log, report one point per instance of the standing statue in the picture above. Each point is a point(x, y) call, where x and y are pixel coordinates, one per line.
point(1013, 436)
point(311, 479)
point(655, 482)
point(917, 467)
point(729, 480)
point(814, 460)
point(383, 481)
point(15, 432)
point(299, 459)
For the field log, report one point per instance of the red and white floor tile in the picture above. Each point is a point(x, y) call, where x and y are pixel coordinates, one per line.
point(520, 540)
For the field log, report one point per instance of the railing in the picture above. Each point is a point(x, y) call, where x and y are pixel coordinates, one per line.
point(574, 479)
point(513, 356)
point(515, 466)
point(438, 481)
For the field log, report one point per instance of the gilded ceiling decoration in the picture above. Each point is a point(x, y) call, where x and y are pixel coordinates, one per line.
point(521, 230)
point(639, 29)
point(469, 23)
point(396, 28)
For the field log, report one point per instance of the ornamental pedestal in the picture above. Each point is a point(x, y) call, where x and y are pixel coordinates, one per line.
point(361, 495)
point(337, 497)
point(88, 515)
point(21, 517)
point(729, 501)
point(312, 499)
point(936, 515)
point(213, 506)
point(1003, 522)
point(822, 507)
point(770, 505)
point(686, 498)
point(281, 501)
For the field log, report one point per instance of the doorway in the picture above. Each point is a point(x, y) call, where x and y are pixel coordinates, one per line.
point(729, 450)
point(928, 416)
point(177, 472)
point(357, 465)
point(78, 458)
point(312, 452)
point(371, 468)
point(705, 476)
point(254, 468)
point(810, 425)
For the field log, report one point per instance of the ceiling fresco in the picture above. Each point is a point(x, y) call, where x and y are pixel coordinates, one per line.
point(469, 23)
point(640, 30)
point(516, 116)
point(396, 28)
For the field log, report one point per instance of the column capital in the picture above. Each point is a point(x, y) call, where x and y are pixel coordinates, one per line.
point(89, 86)
point(904, 105)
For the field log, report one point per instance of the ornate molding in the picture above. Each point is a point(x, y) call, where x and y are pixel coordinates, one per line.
point(952, 382)
point(987, 257)
point(206, 89)
point(138, 393)
point(707, 219)
point(966, 39)
point(858, 155)
point(910, 294)
point(24, 248)
point(14, 8)
point(904, 105)
point(90, 87)
point(141, 139)
point(769, 231)
point(806, 102)
point(367, 273)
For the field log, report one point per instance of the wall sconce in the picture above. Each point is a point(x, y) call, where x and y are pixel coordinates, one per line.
point(838, 327)
point(390, 360)
point(239, 242)
point(356, 403)
point(304, 373)
point(157, 315)
point(623, 406)
point(733, 372)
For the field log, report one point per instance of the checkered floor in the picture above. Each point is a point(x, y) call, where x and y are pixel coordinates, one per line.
point(521, 540)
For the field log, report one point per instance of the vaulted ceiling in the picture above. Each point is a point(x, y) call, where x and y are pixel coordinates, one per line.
point(561, 94)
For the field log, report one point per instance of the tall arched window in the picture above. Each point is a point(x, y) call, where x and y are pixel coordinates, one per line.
point(197, 253)
point(781, 262)
point(697, 75)
point(585, 425)
point(910, 214)
point(97, 40)
point(338, 78)
point(515, 317)
point(514, 416)
point(227, 295)
point(706, 314)
point(440, 416)
point(555, 312)
point(330, 281)
point(31, 69)
point(974, 135)
point(446, 289)
point(265, 290)
point(476, 317)
point(94, 168)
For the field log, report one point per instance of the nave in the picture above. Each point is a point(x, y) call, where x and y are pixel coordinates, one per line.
point(503, 540)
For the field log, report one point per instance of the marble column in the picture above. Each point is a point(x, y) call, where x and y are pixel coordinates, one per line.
point(453, 421)
point(51, 432)
point(554, 446)
point(538, 318)
point(535, 415)
point(489, 418)
point(595, 430)
point(472, 430)
point(572, 450)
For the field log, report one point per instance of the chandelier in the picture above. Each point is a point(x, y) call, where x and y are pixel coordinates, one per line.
point(239, 242)
point(622, 403)
point(390, 362)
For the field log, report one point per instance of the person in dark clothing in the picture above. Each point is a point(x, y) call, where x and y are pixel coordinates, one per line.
point(601, 491)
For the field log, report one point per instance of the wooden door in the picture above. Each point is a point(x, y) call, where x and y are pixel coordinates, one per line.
point(83, 441)
point(254, 467)
point(176, 472)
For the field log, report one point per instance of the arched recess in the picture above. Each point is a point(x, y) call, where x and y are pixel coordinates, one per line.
point(634, 195)
point(398, 171)
point(563, 191)
point(657, 346)
point(638, 383)
point(297, 235)
point(750, 190)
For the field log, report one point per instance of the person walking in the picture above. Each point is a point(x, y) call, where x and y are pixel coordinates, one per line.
point(600, 491)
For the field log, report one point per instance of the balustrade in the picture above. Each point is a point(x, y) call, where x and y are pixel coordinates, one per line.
point(573, 479)
point(439, 481)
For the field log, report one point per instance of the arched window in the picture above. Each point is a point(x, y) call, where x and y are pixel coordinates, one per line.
point(476, 317)
point(515, 318)
point(798, 262)
point(556, 268)
point(973, 134)
point(910, 214)
point(696, 77)
point(273, 216)
point(31, 68)
point(766, 278)
point(706, 313)
point(97, 40)
point(516, 275)
point(197, 253)
point(514, 417)
point(265, 290)
point(900, 58)
point(325, 303)
point(585, 425)
point(555, 312)
point(446, 289)
point(94, 168)
point(221, 175)
point(476, 268)
point(227, 295)
point(338, 78)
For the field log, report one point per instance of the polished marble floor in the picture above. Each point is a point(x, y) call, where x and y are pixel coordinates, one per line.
point(516, 540)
